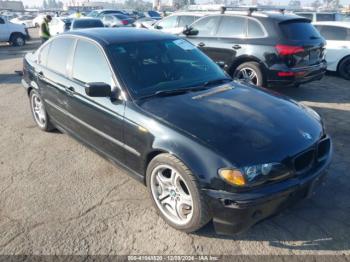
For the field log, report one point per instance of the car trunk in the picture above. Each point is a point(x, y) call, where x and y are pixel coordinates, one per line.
point(302, 44)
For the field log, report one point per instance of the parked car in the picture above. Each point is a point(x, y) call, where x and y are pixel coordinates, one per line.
point(177, 22)
point(82, 23)
point(38, 20)
point(102, 12)
point(145, 22)
point(264, 48)
point(152, 14)
point(321, 16)
point(59, 25)
point(117, 20)
point(15, 34)
point(25, 20)
point(337, 35)
point(206, 147)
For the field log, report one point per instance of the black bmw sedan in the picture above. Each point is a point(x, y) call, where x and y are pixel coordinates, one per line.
point(206, 147)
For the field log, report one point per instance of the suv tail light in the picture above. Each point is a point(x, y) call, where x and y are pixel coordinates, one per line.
point(289, 49)
point(125, 22)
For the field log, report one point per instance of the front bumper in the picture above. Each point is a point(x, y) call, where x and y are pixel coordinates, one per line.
point(237, 212)
point(297, 75)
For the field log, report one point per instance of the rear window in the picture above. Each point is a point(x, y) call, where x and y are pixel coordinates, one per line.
point(87, 23)
point(299, 30)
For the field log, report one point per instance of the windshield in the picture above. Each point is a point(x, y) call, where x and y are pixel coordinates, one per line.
point(153, 66)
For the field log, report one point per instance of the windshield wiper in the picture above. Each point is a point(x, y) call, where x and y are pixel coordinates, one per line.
point(171, 92)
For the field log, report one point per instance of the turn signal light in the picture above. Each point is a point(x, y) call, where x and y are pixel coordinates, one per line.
point(233, 177)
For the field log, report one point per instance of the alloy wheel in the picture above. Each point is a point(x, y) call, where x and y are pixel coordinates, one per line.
point(171, 194)
point(38, 110)
point(248, 75)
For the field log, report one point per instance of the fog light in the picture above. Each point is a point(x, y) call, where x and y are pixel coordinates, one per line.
point(233, 177)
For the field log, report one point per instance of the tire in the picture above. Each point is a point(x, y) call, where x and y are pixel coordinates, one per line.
point(17, 39)
point(198, 215)
point(344, 68)
point(249, 67)
point(42, 120)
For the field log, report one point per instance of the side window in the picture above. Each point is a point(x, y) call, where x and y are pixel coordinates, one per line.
point(207, 26)
point(42, 59)
point(334, 33)
point(185, 20)
point(254, 29)
point(232, 27)
point(2, 21)
point(87, 53)
point(59, 54)
point(168, 22)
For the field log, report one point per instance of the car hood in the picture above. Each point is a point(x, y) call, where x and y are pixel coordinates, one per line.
point(245, 125)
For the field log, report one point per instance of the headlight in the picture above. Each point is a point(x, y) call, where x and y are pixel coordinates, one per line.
point(253, 174)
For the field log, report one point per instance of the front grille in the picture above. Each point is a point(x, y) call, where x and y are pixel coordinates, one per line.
point(304, 161)
point(312, 157)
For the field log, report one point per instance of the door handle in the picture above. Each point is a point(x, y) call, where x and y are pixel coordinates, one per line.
point(201, 44)
point(236, 47)
point(70, 90)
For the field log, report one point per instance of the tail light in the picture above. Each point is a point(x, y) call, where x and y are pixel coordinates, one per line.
point(289, 49)
point(125, 22)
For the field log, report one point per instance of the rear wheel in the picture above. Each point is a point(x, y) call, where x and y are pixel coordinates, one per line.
point(249, 72)
point(344, 68)
point(17, 40)
point(39, 113)
point(176, 194)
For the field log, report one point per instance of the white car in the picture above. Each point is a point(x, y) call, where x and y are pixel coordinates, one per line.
point(176, 23)
point(25, 20)
point(15, 34)
point(37, 21)
point(59, 25)
point(337, 35)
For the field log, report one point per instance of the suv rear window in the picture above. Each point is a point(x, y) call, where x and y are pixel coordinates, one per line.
point(299, 30)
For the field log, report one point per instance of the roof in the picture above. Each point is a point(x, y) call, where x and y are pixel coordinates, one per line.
point(107, 36)
point(334, 23)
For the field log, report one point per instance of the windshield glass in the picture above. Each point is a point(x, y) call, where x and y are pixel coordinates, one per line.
point(153, 66)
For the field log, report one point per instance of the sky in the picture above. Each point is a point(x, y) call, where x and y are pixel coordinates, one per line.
point(39, 2)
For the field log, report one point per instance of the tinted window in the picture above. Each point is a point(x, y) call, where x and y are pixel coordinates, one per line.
point(86, 23)
point(43, 55)
point(335, 33)
point(255, 29)
point(186, 20)
point(90, 64)
point(299, 31)
point(2, 21)
point(232, 27)
point(325, 17)
point(207, 26)
point(153, 14)
point(59, 54)
point(151, 66)
point(168, 22)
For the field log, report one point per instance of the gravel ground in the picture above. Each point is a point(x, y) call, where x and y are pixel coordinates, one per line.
point(58, 197)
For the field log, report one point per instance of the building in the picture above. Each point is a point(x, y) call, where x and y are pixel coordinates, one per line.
point(16, 6)
point(89, 5)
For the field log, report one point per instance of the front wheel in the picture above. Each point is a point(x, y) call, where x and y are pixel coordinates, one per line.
point(344, 68)
point(39, 113)
point(249, 72)
point(17, 40)
point(176, 194)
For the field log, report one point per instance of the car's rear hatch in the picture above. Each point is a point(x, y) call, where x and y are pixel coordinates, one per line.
point(301, 43)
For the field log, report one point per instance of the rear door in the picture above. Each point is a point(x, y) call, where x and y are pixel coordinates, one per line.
point(301, 44)
point(98, 121)
point(338, 44)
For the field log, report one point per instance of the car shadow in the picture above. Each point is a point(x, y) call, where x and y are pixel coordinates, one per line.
point(13, 78)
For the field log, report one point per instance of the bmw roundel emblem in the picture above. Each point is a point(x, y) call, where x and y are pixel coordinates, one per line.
point(306, 135)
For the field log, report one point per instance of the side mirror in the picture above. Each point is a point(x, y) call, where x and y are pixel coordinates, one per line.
point(98, 89)
point(190, 31)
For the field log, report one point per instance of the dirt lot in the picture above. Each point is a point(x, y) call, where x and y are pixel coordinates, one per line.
point(57, 197)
